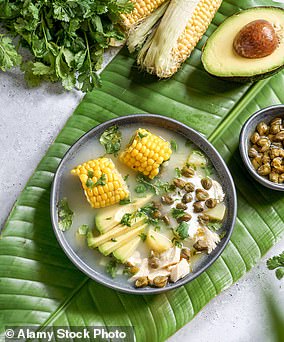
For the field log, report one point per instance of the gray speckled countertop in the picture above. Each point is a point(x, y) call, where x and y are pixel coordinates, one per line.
point(30, 119)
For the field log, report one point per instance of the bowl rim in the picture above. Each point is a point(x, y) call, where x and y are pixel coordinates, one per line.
point(86, 269)
point(243, 148)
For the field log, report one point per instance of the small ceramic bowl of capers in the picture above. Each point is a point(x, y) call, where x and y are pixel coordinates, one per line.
point(262, 146)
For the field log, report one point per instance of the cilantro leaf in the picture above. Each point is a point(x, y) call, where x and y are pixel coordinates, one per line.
point(65, 215)
point(174, 145)
point(9, 57)
point(111, 140)
point(101, 180)
point(277, 262)
point(143, 236)
point(83, 229)
point(181, 231)
point(177, 213)
point(111, 268)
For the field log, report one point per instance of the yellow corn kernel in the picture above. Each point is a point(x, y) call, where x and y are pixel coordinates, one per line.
point(151, 150)
point(112, 187)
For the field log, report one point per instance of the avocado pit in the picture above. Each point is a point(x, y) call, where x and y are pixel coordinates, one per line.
point(257, 39)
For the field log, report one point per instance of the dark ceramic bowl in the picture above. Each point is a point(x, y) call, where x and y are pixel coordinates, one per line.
point(90, 269)
point(266, 115)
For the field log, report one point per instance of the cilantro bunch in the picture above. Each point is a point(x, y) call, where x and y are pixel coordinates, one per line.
point(67, 38)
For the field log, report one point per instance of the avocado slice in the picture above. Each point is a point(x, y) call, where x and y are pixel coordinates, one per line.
point(110, 246)
point(110, 217)
point(125, 252)
point(118, 230)
point(220, 59)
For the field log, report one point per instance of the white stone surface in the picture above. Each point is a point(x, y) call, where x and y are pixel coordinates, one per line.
point(30, 119)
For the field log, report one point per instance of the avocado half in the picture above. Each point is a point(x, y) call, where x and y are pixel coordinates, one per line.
point(220, 59)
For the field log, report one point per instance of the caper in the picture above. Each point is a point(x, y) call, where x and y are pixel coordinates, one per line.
point(276, 121)
point(206, 183)
point(189, 187)
point(274, 129)
point(187, 171)
point(264, 143)
point(200, 245)
point(160, 281)
point(182, 206)
point(254, 138)
point(266, 157)
point(277, 144)
point(281, 153)
point(166, 219)
point(276, 162)
point(133, 269)
point(262, 128)
point(154, 262)
point(141, 282)
point(252, 152)
point(185, 254)
point(156, 214)
point(186, 198)
point(184, 218)
point(211, 203)
point(259, 158)
point(167, 200)
point(274, 177)
point(198, 207)
point(201, 194)
point(179, 183)
point(264, 170)
point(203, 219)
point(255, 163)
point(274, 152)
point(281, 178)
point(270, 137)
point(156, 205)
point(279, 136)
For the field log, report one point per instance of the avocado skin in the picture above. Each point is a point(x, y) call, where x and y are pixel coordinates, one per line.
point(246, 79)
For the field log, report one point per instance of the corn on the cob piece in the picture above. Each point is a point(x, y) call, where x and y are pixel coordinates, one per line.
point(102, 183)
point(146, 153)
point(142, 8)
point(181, 28)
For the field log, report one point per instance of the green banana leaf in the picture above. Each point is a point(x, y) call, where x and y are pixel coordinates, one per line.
point(40, 287)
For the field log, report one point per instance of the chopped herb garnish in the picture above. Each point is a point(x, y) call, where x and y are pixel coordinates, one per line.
point(176, 243)
point(222, 234)
point(111, 140)
point(125, 177)
point(174, 145)
point(156, 186)
point(101, 180)
point(157, 228)
point(124, 201)
point(209, 170)
point(126, 219)
point(90, 173)
point(181, 231)
point(65, 215)
point(89, 183)
point(83, 229)
point(111, 268)
point(188, 143)
point(152, 237)
point(140, 189)
point(108, 218)
point(143, 237)
point(177, 213)
point(277, 262)
point(178, 172)
point(141, 135)
point(214, 226)
point(127, 271)
point(113, 240)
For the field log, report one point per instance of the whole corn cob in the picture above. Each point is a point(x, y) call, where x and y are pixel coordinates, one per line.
point(180, 29)
point(146, 153)
point(102, 183)
point(142, 8)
